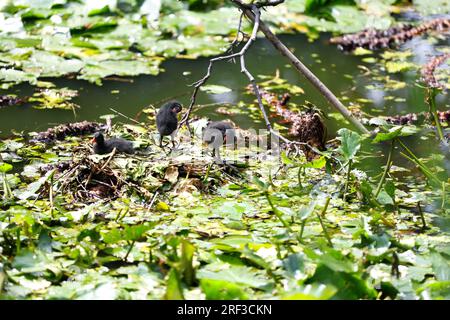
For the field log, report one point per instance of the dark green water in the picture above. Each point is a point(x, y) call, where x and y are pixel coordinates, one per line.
point(339, 71)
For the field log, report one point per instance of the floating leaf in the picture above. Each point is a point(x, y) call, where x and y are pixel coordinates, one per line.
point(215, 89)
point(5, 167)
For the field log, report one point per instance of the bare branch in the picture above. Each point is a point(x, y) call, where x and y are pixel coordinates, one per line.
point(311, 77)
point(261, 4)
point(202, 81)
point(236, 42)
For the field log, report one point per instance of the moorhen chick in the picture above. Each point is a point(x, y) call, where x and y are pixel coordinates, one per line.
point(217, 129)
point(102, 146)
point(167, 121)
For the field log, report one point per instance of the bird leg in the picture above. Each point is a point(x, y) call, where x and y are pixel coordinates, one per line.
point(216, 154)
point(172, 136)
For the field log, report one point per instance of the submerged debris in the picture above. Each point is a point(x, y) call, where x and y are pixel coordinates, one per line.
point(378, 39)
point(414, 118)
point(8, 101)
point(306, 126)
point(69, 129)
point(428, 71)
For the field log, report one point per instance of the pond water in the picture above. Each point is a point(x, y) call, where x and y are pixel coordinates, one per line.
point(342, 73)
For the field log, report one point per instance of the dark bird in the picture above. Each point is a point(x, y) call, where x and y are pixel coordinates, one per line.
point(166, 120)
point(102, 146)
point(218, 133)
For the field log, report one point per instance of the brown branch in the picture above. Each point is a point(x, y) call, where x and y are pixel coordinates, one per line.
point(300, 66)
point(244, 70)
point(267, 3)
point(201, 82)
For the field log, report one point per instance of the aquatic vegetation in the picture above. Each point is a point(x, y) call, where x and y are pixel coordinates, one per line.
point(148, 226)
point(267, 220)
point(94, 40)
point(55, 99)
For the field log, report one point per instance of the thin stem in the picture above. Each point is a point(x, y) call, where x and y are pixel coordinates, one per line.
point(18, 242)
point(416, 160)
point(424, 223)
point(386, 169)
point(118, 215)
point(302, 229)
point(126, 212)
point(444, 196)
point(129, 250)
point(109, 159)
point(348, 178)
point(327, 236)
point(202, 81)
point(299, 176)
point(431, 99)
point(51, 196)
point(277, 213)
point(7, 193)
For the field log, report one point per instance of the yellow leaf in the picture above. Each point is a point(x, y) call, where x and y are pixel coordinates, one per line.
point(162, 206)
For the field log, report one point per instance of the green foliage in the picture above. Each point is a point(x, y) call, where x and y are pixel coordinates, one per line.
point(350, 144)
point(322, 8)
point(293, 229)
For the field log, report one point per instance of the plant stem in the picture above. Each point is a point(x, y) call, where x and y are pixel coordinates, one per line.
point(283, 222)
point(348, 178)
point(50, 191)
point(278, 213)
point(118, 215)
point(424, 223)
point(7, 193)
point(431, 99)
point(386, 169)
point(207, 173)
point(327, 236)
point(126, 212)
point(416, 160)
point(302, 228)
point(444, 196)
point(129, 250)
point(18, 241)
point(299, 176)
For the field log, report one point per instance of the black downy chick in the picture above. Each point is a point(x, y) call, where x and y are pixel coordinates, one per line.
point(221, 130)
point(102, 146)
point(167, 121)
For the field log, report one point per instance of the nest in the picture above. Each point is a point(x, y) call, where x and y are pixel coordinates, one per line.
point(65, 130)
point(378, 39)
point(90, 178)
point(306, 127)
point(86, 180)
